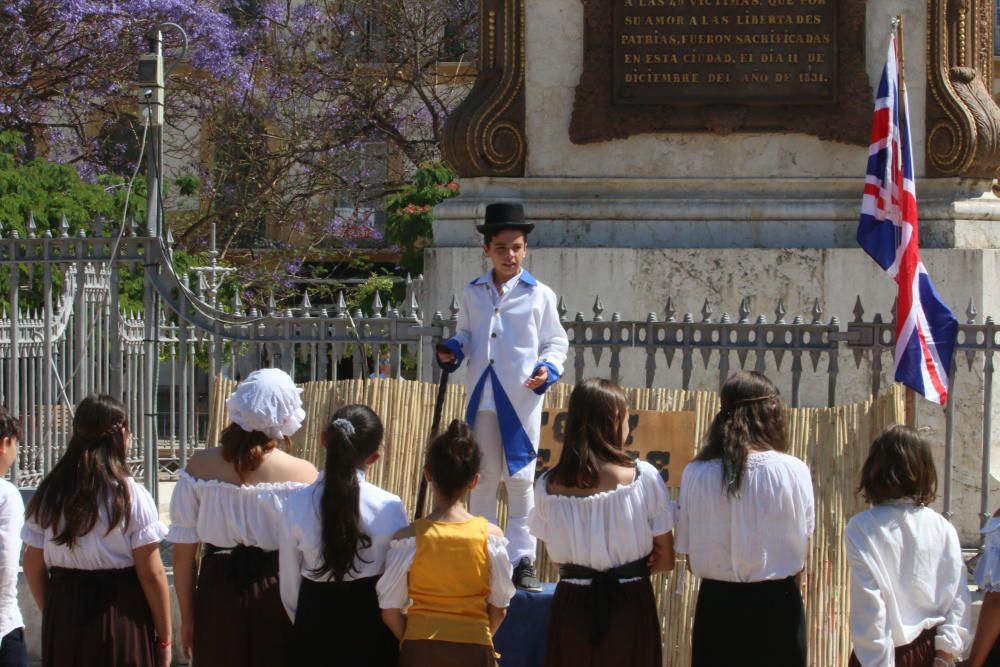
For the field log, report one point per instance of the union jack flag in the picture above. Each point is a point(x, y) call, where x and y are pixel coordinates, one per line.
point(925, 326)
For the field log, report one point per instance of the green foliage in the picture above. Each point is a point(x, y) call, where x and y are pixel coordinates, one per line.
point(49, 190)
point(410, 211)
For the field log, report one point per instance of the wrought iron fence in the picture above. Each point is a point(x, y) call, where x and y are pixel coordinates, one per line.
point(80, 340)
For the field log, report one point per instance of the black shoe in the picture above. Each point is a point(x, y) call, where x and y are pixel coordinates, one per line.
point(525, 578)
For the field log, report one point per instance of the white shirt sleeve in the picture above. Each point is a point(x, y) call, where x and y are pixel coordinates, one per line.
point(501, 572)
point(11, 522)
point(552, 334)
point(394, 587)
point(988, 569)
point(536, 515)
point(869, 632)
point(144, 525)
point(681, 516)
point(953, 634)
point(661, 508)
point(184, 512)
point(289, 567)
point(32, 534)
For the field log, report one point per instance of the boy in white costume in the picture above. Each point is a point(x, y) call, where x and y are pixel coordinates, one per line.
point(509, 329)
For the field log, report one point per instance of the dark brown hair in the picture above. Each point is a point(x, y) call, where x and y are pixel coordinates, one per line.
point(597, 408)
point(751, 418)
point(899, 465)
point(347, 447)
point(9, 426)
point(245, 449)
point(453, 460)
point(91, 474)
point(488, 236)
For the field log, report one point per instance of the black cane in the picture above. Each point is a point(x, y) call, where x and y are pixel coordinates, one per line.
point(435, 427)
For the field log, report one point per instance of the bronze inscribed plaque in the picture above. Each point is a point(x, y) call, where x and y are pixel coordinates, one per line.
point(829, 96)
point(721, 51)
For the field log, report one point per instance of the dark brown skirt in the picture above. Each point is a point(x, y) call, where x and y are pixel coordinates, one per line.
point(755, 624)
point(97, 617)
point(344, 615)
point(918, 653)
point(632, 635)
point(434, 653)
point(239, 620)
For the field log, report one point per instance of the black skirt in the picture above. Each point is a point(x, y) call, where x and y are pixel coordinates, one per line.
point(239, 620)
point(631, 626)
point(758, 624)
point(97, 617)
point(340, 623)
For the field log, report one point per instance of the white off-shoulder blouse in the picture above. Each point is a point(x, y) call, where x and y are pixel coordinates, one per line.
point(907, 575)
point(301, 551)
point(393, 588)
point(226, 515)
point(606, 529)
point(760, 536)
point(988, 569)
point(100, 549)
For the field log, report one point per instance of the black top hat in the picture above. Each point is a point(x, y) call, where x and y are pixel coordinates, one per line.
point(504, 216)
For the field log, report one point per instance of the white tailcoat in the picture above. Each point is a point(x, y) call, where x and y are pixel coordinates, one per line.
point(505, 344)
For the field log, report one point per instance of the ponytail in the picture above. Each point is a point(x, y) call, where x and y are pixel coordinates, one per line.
point(353, 434)
point(751, 418)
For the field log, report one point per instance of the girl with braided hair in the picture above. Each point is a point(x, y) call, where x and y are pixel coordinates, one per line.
point(334, 539)
point(91, 557)
point(449, 570)
point(745, 516)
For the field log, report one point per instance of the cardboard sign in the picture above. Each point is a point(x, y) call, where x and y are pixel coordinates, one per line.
point(663, 439)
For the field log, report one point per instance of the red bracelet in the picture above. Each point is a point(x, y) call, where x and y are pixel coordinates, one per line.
point(164, 643)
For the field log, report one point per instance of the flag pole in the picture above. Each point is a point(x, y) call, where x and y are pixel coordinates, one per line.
point(897, 28)
point(909, 399)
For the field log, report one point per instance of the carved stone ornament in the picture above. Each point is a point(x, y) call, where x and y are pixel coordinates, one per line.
point(485, 135)
point(596, 116)
point(963, 121)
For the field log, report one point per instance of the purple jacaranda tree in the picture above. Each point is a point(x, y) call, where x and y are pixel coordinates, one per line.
point(294, 118)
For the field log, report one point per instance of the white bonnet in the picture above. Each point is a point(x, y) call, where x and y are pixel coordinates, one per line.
point(267, 401)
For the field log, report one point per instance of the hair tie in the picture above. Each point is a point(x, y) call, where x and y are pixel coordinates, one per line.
point(114, 428)
point(345, 425)
point(744, 401)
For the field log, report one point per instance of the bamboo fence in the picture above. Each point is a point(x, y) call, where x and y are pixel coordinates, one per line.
point(832, 441)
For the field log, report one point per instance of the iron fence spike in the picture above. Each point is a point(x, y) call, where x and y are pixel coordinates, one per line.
point(31, 227)
point(779, 312)
point(859, 310)
point(598, 309)
point(817, 312)
point(970, 312)
point(706, 311)
point(744, 311)
point(561, 308)
point(454, 306)
point(669, 311)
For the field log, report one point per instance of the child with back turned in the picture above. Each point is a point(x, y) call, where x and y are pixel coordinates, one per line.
point(92, 560)
point(13, 650)
point(334, 539)
point(608, 521)
point(909, 596)
point(452, 565)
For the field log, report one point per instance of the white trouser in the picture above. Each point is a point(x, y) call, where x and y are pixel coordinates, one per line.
point(520, 492)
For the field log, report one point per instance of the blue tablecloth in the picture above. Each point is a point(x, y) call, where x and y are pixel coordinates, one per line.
point(521, 639)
